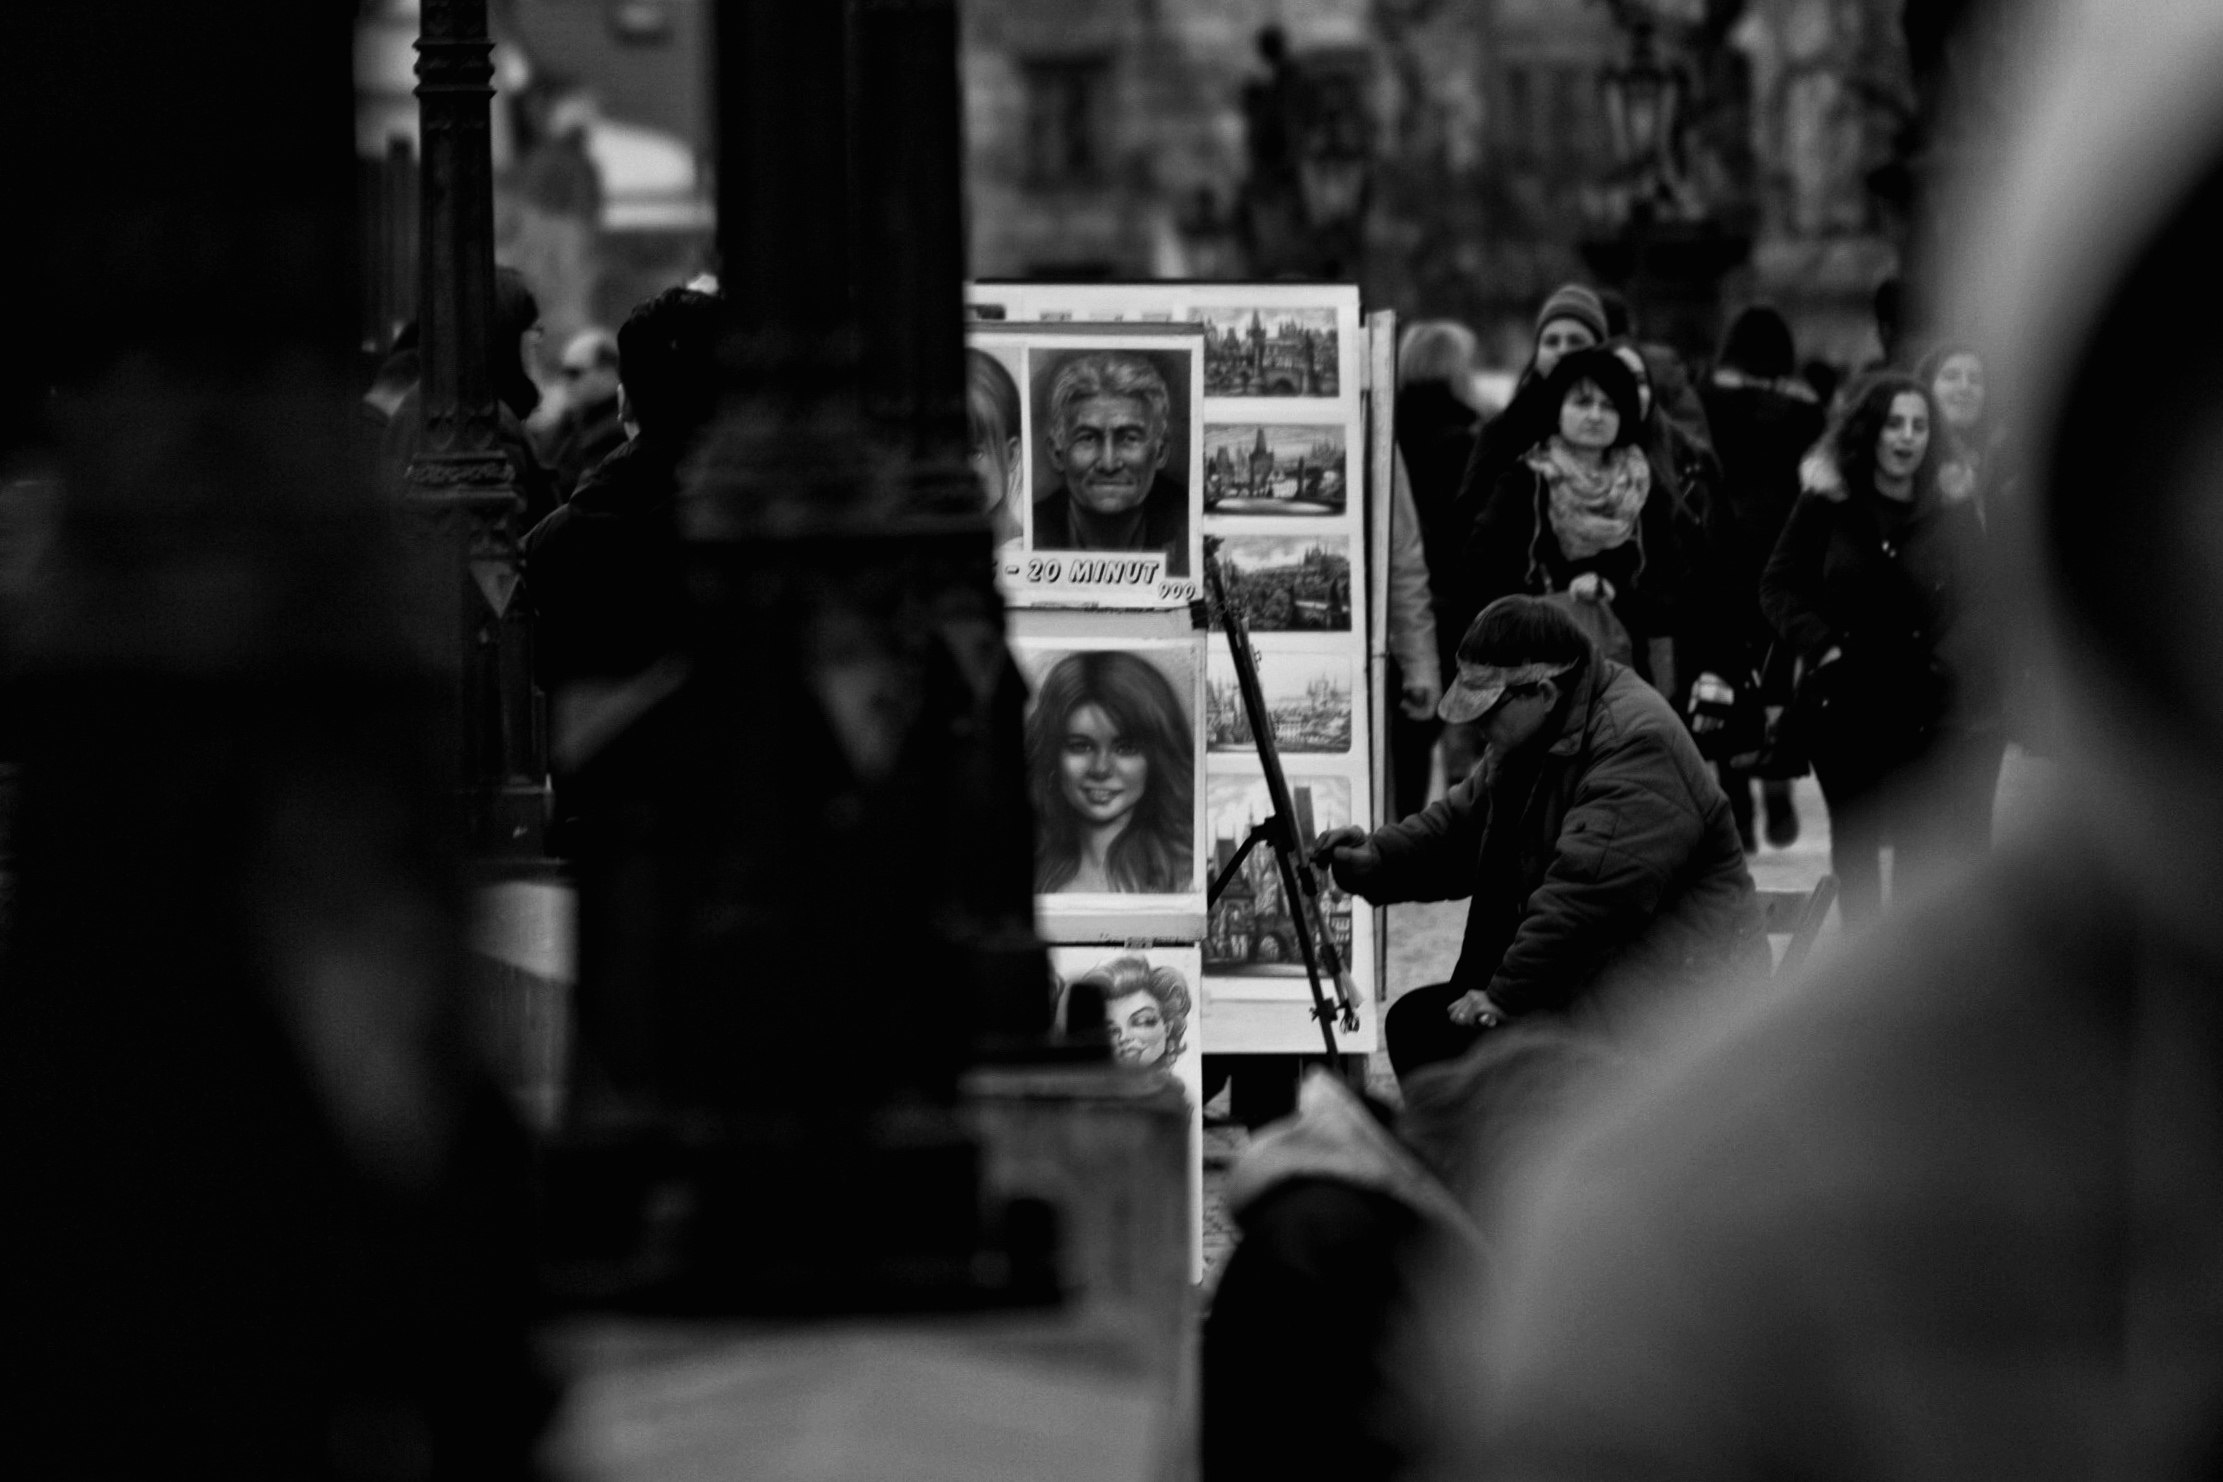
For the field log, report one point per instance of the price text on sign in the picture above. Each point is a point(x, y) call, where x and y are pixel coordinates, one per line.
point(1126, 577)
point(1083, 570)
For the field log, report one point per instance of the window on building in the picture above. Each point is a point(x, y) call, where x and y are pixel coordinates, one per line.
point(1067, 120)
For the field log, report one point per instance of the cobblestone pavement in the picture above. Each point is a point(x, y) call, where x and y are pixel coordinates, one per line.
point(1423, 944)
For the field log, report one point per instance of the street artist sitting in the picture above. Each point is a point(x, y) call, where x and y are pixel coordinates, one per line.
point(1599, 851)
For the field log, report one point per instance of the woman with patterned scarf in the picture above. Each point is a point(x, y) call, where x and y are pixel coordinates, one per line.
point(1578, 514)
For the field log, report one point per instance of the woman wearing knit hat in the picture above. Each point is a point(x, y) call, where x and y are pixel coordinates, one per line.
point(1572, 318)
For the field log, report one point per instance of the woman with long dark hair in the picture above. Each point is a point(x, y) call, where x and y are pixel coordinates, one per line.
point(1975, 464)
point(1873, 587)
point(1111, 771)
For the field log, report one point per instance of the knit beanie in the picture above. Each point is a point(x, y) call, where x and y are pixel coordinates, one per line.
point(1573, 301)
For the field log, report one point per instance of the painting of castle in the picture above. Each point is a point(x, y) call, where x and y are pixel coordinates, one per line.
point(1270, 352)
point(1250, 469)
point(1308, 702)
point(1252, 932)
point(1289, 584)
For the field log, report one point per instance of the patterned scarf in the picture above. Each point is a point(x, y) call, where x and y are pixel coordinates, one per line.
point(1592, 509)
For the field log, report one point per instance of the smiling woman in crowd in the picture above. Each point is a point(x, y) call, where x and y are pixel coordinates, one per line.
point(1111, 774)
point(1872, 586)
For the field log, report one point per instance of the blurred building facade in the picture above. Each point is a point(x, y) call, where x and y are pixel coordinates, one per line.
point(1107, 139)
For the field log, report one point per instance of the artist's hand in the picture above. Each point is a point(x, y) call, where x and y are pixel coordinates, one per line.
point(1474, 1009)
point(1590, 587)
point(1422, 694)
point(1349, 854)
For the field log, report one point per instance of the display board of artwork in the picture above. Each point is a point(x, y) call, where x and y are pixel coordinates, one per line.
point(1094, 443)
point(1147, 1002)
point(1272, 451)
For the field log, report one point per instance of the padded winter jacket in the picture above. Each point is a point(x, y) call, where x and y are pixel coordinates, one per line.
point(1609, 865)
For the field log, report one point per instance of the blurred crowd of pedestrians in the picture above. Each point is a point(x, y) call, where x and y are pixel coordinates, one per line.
point(1942, 1205)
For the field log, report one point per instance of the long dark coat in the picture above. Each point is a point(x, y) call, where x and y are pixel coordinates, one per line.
point(1436, 433)
point(1897, 589)
point(1761, 431)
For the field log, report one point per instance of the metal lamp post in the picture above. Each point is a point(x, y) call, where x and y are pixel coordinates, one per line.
point(461, 483)
point(1667, 249)
point(1641, 99)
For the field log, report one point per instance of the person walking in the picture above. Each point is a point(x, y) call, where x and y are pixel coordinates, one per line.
point(1436, 427)
point(1764, 418)
point(605, 576)
point(1945, 1208)
point(1587, 514)
point(1687, 474)
point(1874, 587)
point(1603, 867)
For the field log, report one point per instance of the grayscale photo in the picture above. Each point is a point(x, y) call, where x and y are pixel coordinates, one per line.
point(1289, 584)
point(1113, 430)
point(1270, 352)
point(1307, 695)
point(1251, 469)
point(1112, 759)
point(615, 739)
point(1252, 931)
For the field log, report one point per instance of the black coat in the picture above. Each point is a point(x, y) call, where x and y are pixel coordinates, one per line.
point(1761, 432)
point(603, 572)
point(1498, 447)
point(1895, 587)
point(1436, 434)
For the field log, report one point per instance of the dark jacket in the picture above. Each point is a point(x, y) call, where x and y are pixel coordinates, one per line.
point(1436, 433)
point(1525, 421)
point(588, 435)
point(1610, 865)
point(1512, 549)
point(1165, 523)
point(1895, 587)
point(603, 572)
point(1340, 1224)
point(1761, 431)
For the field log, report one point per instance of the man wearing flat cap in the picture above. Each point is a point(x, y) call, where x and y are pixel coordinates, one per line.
point(1599, 852)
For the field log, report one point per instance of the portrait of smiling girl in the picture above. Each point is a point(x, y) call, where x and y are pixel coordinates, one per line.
point(1111, 774)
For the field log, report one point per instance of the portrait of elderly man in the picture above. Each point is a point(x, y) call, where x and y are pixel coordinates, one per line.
point(1108, 419)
